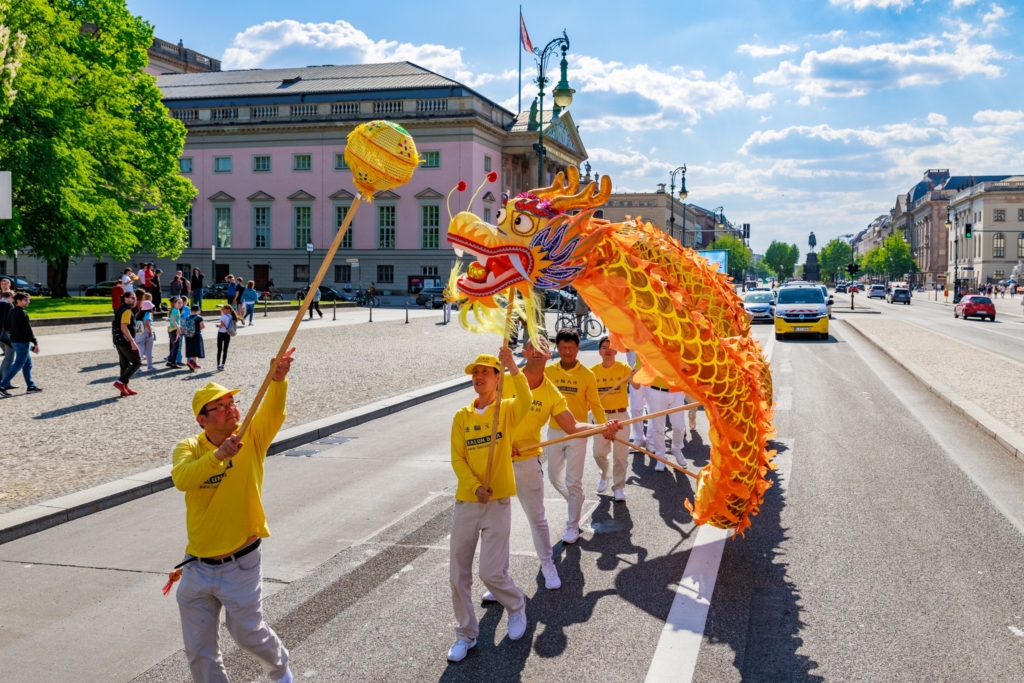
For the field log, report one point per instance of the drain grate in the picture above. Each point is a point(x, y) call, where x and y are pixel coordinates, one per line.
point(302, 452)
point(334, 440)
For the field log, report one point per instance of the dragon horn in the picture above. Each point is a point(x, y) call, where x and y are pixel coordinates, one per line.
point(586, 198)
point(559, 186)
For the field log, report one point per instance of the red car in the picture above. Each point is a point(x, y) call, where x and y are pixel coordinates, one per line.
point(976, 305)
point(852, 288)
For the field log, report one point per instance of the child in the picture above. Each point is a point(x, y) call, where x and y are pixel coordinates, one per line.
point(144, 335)
point(174, 332)
point(194, 344)
point(226, 328)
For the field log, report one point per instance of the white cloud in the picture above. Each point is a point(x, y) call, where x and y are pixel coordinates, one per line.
point(937, 119)
point(957, 4)
point(881, 4)
point(631, 124)
point(763, 51)
point(838, 34)
point(992, 19)
point(854, 71)
point(762, 101)
point(631, 163)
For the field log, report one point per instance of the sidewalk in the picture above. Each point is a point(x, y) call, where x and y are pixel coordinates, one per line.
point(1007, 306)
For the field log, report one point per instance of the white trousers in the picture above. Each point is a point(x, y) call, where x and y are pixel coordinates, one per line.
point(530, 491)
point(637, 401)
point(145, 344)
point(237, 587)
point(616, 471)
point(566, 461)
point(489, 523)
point(663, 400)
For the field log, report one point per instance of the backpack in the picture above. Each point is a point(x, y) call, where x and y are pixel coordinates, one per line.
point(119, 338)
point(189, 326)
point(232, 326)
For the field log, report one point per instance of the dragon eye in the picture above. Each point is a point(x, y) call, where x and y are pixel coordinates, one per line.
point(523, 224)
point(501, 216)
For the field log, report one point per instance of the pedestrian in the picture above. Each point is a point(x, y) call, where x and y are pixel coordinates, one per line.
point(176, 285)
point(662, 397)
point(237, 300)
point(227, 326)
point(143, 278)
point(637, 404)
point(124, 341)
point(222, 477)
point(155, 289)
point(144, 333)
point(128, 279)
point(567, 459)
point(249, 298)
point(186, 287)
point(315, 303)
point(24, 343)
point(581, 311)
point(116, 293)
point(196, 284)
point(6, 304)
point(194, 347)
point(612, 377)
point(271, 288)
point(483, 515)
point(5, 286)
point(446, 317)
point(174, 333)
point(232, 286)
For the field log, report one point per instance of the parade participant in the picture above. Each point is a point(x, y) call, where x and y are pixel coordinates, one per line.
point(637, 403)
point(612, 376)
point(116, 293)
point(124, 341)
point(144, 334)
point(222, 477)
point(23, 341)
point(482, 513)
point(566, 460)
point(660, 397)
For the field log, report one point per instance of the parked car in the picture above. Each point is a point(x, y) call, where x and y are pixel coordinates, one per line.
point(759, 306)
point(876, 292)
point(899, 295)
point(326, 294)
point(100, 288)
point(431, 297)
point(975, 305)
point(841, 288)
point(22, 285)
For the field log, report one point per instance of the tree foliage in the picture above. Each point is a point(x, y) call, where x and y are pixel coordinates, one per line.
point(92, 151)
point(781, 258)
point(739, 254)
point(12, 43)
point(834, 257)
point(891, 259)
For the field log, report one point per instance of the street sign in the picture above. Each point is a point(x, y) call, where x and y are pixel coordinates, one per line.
point(717, 258)
point(966, 267)
point(351, 260)
point(355, 265)
point(6, 212)
point(309, 247)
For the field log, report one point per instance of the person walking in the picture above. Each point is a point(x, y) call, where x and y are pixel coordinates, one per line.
point(315, 304)
point(156, 289)
point(175, 287)
point(128, 279)
point(612, 377)
point(124, 341)
point(194, 347)
point(662, 397)
point(144, 333)
point(5, 285)
point(23, 340)
point(249, 298)
point(196, 285)
point(222, 478)
point(226, 329)
point(236, 302)
point(6, 304)
point(637, 404)
point(483, 514)
point(116, 293)
point(174, 333)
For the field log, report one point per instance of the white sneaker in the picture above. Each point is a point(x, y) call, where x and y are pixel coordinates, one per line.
point(571, 536)
point(659, 467)
point(649, 446)
point(551, 580)
point(461, 648)
point(681, 459)
point(602, 485)
point(489, 597)
point(516, 624)
point(620, 496)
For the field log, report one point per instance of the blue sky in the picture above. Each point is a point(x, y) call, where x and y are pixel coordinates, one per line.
point(795, 116)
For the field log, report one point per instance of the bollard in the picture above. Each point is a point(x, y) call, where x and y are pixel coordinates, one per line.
point(265, 298)
point(406, 310)
point(851, 301)
point(369, 304)
point(334, 313)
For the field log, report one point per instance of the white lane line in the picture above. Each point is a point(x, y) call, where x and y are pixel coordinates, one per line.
point(675, 658)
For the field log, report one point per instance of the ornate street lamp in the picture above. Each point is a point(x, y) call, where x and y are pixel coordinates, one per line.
point(956, 260)
point(562, 94)
point(672, 200)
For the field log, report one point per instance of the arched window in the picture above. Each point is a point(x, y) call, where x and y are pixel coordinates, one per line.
point(999, 246)
point(1020, 245)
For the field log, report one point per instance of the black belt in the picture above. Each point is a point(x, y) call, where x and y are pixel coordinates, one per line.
point(224, 560)
point(620, 410)
point(660, 389)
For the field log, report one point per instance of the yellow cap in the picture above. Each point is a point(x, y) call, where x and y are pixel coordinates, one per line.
point(208, 393)
point(486, 360)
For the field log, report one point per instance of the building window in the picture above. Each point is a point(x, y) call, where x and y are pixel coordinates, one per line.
point(999, 215)
point(998, 275)
point(998, 246)
point(340, 212)
point(431, 160)
point(599, 213)
point(339, 162)
point(261, 227)
point(222, 219)
point(1020, 214)
point(487, 164)
point(303, 224)
point(261, 164)
point(385, 227)
point(487, 215)
point(300, 273)
point(187, 224)
point(1020, 245)
point(429, 271)
point(222, 164)
point(431, 224)
point(385, 275)
point(302, 162)
point(185, 165)
point(343, 273)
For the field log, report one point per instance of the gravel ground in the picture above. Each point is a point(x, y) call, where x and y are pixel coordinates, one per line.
point(77, 433)
point(991, 381)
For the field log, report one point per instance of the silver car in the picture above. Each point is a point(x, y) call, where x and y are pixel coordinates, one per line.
point(759, 306)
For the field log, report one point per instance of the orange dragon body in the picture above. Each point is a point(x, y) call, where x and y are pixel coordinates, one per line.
point(656, 297)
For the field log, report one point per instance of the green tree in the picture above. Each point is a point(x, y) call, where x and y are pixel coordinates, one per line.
point(781, 258)
point(11, 46)
point(761, 270)
point(739, 254)
point(872, 262)
point(92, 151)
point(834, 258)
point(897, 259)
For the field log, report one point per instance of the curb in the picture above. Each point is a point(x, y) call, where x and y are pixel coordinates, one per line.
point(35, 518)
point(108, 316)
point(998, 430)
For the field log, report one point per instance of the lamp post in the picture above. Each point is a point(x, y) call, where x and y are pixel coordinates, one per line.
point(562, 94)
point(672, 200)
point(956, 261)
point(309, 265)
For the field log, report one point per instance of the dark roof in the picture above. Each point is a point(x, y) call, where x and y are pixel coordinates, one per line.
point(962, 182)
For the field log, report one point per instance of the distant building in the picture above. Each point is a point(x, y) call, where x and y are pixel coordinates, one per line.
point(696, 223)
point(168, 58)
point(872, 236)
point(995, 212)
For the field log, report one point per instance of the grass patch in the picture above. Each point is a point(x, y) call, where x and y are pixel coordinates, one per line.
point(46, 307)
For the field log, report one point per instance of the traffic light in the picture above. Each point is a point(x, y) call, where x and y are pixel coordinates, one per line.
point(746, 231)
point(853, 269)
point(968, 230)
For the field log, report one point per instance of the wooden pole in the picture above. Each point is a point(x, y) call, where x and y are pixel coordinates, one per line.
point(497, 399)
point(298, 315)
point(598, 430)
point(657, 457)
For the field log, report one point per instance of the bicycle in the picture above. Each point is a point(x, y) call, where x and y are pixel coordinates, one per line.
point(590, 328)
point(364, 299)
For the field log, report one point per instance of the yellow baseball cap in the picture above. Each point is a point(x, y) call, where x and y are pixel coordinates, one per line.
point(486, 360)
point(210, 392)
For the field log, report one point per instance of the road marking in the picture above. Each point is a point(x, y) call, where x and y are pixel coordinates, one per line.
point(675, 658)
point(783, 398)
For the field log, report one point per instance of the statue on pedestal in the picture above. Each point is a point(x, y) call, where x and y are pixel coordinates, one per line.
point(812, 241)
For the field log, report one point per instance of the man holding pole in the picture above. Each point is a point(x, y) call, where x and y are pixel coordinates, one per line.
point(612, 377)
point(222, 477)
point(483, 511)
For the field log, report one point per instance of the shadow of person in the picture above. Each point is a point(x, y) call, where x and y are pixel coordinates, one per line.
point(613, 526)
point(503, 660)
point(670, 488)
point(696, 450)
point(59, 412)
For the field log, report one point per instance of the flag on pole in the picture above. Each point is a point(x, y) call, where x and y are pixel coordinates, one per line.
point(524, 37)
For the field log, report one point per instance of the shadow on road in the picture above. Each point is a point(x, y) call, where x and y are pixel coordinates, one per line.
point(60, 412)
point(98, 366)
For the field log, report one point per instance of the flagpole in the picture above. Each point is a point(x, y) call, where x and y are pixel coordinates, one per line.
point(519, 49)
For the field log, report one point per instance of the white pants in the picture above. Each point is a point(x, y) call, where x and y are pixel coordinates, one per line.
point(566, 461)
point(530, 491)
point(145, 344)
point(637, 401)
point(660, 400)
point(238, 587)
point(620, 457)
point(491, 524)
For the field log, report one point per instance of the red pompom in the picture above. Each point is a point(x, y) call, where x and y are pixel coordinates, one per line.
point(492, 176)
point(461, 187)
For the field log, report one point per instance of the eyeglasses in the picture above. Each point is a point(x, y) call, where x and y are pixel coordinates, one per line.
point(229, 404)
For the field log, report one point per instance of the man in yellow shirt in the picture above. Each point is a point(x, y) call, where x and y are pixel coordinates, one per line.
point(661, 397)
point(222, 477)
point(566, 460)
point(611, 376)
point(484, 513)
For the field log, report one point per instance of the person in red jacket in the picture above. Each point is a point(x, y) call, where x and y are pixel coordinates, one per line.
point(116, 295)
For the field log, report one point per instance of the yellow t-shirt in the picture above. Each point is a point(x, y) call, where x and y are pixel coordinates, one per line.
point(471, 436)
point(579, 387)
point(547, 402)
point(607, 378)
point(223, 499)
